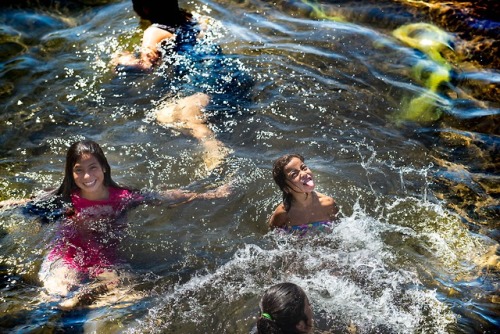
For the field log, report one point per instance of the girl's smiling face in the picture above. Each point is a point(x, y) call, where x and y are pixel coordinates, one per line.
point(299, 176)
point(89, 177)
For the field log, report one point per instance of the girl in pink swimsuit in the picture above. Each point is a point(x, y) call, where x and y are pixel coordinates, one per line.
point(302, 208)
point(90, 207)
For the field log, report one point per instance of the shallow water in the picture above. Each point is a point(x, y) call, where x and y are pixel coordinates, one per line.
point(416, 249)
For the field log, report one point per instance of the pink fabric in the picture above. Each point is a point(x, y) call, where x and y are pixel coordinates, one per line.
point(88, 240)
point(119, 200)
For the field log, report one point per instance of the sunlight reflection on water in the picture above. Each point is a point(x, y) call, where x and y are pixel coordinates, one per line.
point(399, 261)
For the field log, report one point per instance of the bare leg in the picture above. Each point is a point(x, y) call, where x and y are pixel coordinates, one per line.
point(187, 113)
point(58, 278)
point(88, 294)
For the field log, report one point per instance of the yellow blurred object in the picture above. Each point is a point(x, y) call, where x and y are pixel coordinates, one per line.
point(427, 38)
point(421, 109)
point(432, 72)
point(318, 13)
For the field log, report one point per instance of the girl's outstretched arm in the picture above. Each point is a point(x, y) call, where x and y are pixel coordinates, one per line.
point(177, 196)
point(12, 203)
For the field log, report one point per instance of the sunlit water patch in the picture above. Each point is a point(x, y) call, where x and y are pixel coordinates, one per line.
point(356, 275)
point(329, 88)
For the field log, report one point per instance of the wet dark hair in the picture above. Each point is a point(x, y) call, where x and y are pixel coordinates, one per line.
point(75, 152)
point(284, 303)
point(280, 177)
point(154, 11)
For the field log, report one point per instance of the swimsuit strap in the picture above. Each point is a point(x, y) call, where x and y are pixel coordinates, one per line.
point(317, 224)
point(169, 28)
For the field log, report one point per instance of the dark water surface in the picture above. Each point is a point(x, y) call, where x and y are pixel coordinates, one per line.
point(405, 136)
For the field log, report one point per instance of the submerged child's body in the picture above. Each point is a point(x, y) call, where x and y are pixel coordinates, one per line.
point(182, 28)
point(89, 207)
point(303, 208)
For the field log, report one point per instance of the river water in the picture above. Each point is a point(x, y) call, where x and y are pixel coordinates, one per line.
point(405, 140)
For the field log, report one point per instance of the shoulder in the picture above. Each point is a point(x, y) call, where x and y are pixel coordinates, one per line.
point(279, 217)
point(328, 203)
point(156, 34)
point(325, 200)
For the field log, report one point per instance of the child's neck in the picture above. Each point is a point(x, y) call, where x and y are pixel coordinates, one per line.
point(99, 195)
point(303, 199)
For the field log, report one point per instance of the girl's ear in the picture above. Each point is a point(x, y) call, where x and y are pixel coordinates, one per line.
point(301, 326)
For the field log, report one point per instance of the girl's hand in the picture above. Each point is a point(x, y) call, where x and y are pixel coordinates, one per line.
point(177, 196)
point(126, 61)
point(12, 202)
point(220, 192)
point(123, 58)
